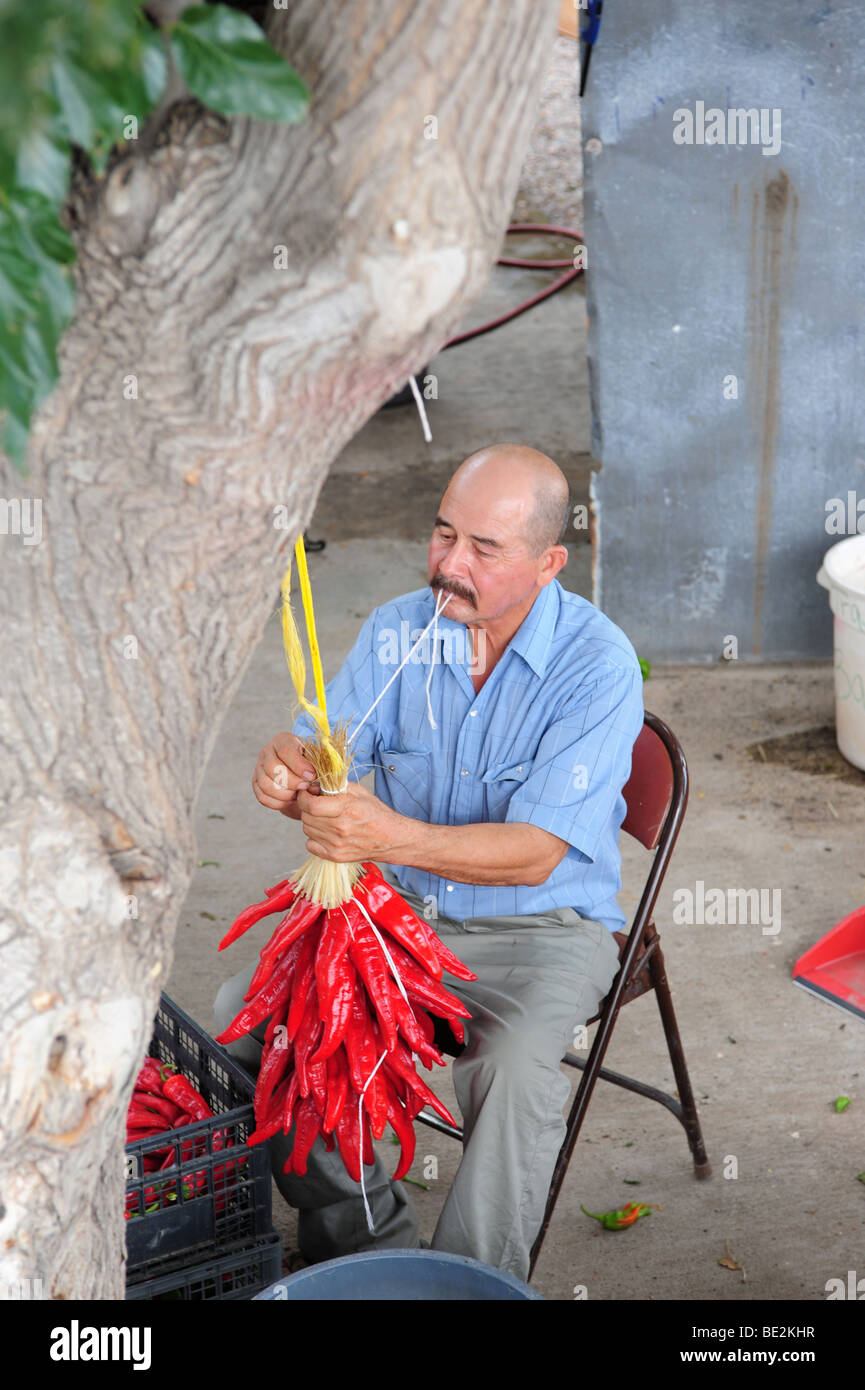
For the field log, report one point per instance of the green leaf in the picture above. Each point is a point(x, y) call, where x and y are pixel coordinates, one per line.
point(37, 217)
point(841, 1103)
point(19, 276)
point(227, 61)
point(14, 441)
point(645, 667)
point(36, 300)
point(93, 104)
point(43, 165)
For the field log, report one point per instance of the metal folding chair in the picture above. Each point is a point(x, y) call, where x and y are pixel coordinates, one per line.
point(656, 795)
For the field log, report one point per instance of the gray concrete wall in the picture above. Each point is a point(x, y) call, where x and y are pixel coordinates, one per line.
point(710, 261)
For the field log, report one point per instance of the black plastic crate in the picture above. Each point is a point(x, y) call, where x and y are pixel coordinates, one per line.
point(218, 1191)
point(238, 1273)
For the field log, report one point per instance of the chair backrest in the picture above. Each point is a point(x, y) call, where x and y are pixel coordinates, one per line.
point(649, 790)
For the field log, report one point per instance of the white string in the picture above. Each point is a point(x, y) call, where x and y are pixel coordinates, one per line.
point(404, 662)
point(387, 955)
point(369, 1222)
point(432, 661)
point(418, 400)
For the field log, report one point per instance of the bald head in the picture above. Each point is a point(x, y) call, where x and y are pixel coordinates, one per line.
point(521, 474)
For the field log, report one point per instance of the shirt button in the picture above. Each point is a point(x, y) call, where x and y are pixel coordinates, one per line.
point(520, 768)
point(391, 768)
point(472, 713)
point(450, 888)
point(465, 772)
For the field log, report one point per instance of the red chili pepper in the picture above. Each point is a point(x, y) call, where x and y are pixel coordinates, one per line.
point(303, 915)
point(278, 887)
point(184, 1094)
point(136, 1132)
point(306, 1131)
point(425, 991)
point(411, 1031)
point(158, 1104)
point(336, 1020)
point(274, 993)
point(447, 960)
point(282, 897)
point(304, 977)
point(149, 1078)
point(404, 1131)
point(348, 1138)
point(368, 1150)
point(277, 1020)
point(292, 1096)
point(363, 1054)
point(338, 1086)
point(389, 911)
point(274, 1066)
point(268, 963)
point(399, 1061)
point(317, 1076)
point(272, 1123)
point(367, 957)
point(425, 1024)
point(333, 944)
point(139, 1118)
point(306, 1041)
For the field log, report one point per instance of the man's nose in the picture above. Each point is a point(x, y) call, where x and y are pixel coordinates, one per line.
point(453, 564)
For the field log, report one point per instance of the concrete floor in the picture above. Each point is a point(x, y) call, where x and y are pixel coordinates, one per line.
point(767, 1060)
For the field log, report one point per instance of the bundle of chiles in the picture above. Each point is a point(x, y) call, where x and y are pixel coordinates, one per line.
point(164, 1099)
point(346, 989)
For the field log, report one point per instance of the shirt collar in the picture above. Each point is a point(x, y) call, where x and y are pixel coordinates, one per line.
point(532, 638)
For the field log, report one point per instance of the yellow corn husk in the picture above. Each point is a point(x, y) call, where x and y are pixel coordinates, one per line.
point(320, 880)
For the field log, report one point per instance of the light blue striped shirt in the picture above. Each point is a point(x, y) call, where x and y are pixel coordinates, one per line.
point(546, 742)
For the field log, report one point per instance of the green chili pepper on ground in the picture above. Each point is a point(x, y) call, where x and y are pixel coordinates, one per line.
point(619, 1220)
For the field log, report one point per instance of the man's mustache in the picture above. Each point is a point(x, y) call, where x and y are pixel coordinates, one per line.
point(449, 586)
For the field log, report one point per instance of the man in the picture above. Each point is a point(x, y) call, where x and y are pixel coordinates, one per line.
point(499, 825)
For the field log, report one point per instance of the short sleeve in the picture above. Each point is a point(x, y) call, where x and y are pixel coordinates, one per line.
point(583, 760)
point(349, 696)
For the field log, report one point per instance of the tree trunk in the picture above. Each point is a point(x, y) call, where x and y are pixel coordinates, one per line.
point(248, 295)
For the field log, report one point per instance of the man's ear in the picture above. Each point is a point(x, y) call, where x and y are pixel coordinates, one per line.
point(552, 561)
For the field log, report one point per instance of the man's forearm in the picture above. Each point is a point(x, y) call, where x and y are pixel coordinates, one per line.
point(488, 854)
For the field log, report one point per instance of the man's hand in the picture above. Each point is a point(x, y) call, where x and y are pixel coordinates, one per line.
point(281, 772)
point(353, 826)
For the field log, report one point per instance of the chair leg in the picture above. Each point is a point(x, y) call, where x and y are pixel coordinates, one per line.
point(573, 1125)
point(690, 1118)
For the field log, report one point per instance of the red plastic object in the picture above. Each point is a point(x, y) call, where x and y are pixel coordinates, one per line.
point(834, 968)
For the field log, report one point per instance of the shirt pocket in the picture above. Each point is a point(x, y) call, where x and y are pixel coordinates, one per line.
point(500, 783)
point(407, 780)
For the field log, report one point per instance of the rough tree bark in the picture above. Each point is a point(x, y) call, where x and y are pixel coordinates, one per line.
point(127, 629)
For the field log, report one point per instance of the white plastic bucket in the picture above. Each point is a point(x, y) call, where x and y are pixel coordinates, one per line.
point(843, 574)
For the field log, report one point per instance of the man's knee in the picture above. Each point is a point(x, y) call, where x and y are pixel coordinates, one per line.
point(226, 1006)
point(518, 1056)
point(228, 1002)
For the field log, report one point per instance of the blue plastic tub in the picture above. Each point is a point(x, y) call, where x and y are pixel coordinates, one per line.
point(399, 1276)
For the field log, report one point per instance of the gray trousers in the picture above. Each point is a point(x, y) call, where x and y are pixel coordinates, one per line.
point(539, 978)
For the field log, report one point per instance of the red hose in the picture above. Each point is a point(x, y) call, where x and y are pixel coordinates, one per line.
point(571, 274)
